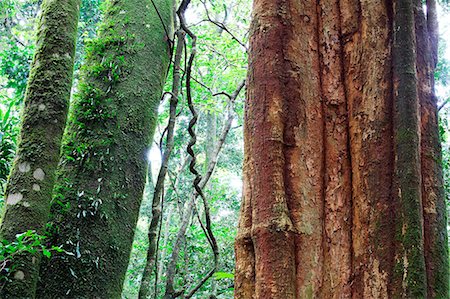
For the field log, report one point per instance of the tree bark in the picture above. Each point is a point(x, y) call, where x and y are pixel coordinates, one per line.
point(410, 272)
point(340, 116)
point(103, 168)
point(433, 197)
point(31, 181)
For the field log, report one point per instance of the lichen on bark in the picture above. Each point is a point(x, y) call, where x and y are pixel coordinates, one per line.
point(30, 183)
point(103, 167)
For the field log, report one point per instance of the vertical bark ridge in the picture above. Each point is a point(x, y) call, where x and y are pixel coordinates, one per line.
point(271, 225)
point(347, 112)
point(337, 185)
point(410, 255)
point(433, 199)
point(367, 67)
point(305, 159)
point(244, 250)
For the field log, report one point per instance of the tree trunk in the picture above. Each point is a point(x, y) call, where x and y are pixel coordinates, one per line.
point(434, 206)
point(31, 181)
point(343, 189)
point(103, 168)
point(166, 235)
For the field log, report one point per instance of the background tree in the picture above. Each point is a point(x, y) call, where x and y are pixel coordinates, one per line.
point(325, 180)
point(30, 183)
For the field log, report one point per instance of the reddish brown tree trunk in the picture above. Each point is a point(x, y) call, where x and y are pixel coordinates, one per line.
point(329, 87)
point(434, 216)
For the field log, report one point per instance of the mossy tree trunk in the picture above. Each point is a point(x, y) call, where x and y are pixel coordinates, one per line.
point(103, 169)
point(31, 181)
point(343, 189)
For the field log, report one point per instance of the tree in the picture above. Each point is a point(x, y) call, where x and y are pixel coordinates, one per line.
point(103, 168)
point(210, 96)
point(342, 176)
point(30, 183)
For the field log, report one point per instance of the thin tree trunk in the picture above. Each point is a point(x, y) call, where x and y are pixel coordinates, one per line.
point(333, 133)
point(166, 235)
point(31, 181)
point(170, 292)
point(145, 286)
point(103, 168)
point(135, 265)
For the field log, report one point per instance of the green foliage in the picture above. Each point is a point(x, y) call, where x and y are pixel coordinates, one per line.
point(27, 242)
point(15, 61)
point(8, 139)
point(87, 28)
point(442, 74)
point(223, 275)
point(444, 129)
point(9, 131)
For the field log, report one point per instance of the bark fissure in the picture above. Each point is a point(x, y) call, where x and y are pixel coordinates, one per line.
point(332, 67)
point(347, 145)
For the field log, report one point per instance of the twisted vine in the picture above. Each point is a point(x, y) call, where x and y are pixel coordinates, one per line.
point(193, 140)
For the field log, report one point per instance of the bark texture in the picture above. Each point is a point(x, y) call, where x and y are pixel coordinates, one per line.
point(103, 168)
point(433, 203)
point(343, 192)
point(31, 181)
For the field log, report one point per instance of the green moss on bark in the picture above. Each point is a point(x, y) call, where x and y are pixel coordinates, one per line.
point(103, 168)
point(410, 274)
point(31, 181)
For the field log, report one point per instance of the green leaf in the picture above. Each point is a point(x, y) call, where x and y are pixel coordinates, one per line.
point(46, 252)
point(57, 249)
point(223, 275)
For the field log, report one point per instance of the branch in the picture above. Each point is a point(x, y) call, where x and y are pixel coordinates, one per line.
point(443, 104)
point(223, 27)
